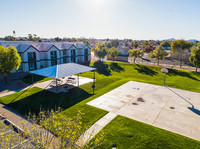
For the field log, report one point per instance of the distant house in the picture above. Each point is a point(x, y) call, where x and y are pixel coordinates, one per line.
point(166, 47)
point(121, 44)
point(37, 55)
point(124, 50)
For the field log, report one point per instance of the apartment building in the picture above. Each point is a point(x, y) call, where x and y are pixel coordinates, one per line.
point(37, 55)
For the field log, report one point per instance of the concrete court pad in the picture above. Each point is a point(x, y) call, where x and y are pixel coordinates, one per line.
point(168, 108)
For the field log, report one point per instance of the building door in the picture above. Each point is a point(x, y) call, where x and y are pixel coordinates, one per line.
point(32, 61)
point(73, 56)
point(53, 58)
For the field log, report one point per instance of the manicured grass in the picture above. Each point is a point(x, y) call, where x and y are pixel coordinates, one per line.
point(36, 99)
point(186, 80)
point(125, 133)
point(108, 77)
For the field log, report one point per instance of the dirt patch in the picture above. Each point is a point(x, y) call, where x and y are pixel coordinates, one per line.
point(136, 88)
point(122, 101)
point(129, 96)
point(3, 92)
point(140, 99)
point(134, 103)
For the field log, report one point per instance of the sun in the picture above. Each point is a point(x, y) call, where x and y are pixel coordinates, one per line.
point(97, 2)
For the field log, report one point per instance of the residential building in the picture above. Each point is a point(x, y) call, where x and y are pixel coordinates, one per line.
point(124, 50)
point(37, 55)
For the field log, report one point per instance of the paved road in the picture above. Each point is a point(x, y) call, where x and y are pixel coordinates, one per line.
point(146, 58)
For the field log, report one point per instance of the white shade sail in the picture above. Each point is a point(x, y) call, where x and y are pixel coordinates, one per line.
point(62, 70)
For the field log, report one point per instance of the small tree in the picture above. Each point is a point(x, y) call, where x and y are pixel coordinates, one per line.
point(180, 47)
point(100, 51)
point(148, 46)
point(113, 52)
point(158, 54)
point(115, 43)
point(9, 38)
point(51, 130)
point(166, 43)
point(195, 57)
point(134, 44)
point(40, 39)
point(135, 53)
point(9, 61)
point(109, 44)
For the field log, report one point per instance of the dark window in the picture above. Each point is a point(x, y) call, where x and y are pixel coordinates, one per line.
point(20, 67)
point(65, 59)
point(73, 56)
point(64, 52)
point(85, 54)
point(53, 58)
point(32, 61)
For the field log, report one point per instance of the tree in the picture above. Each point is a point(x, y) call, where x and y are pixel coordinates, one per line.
point(30, 37)
point(87, 42)
point(9, 61)
point(109, 44)
point(113, 52)
point(195, 57)
point(100, 50)
point(147, 46)
point(40, 39)
point(9, 38)
point(100, 53)
point(159, 53)
point(135, 53)
point(165, 43)
point(74, 39)
point(57, 39)
point(40, 132)
point(180, 47)
point(115, 43)
point(134, 44)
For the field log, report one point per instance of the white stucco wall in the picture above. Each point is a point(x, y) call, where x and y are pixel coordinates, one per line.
point(25, 58)
point(44, 58)
point(69, 52)
point(49, 55)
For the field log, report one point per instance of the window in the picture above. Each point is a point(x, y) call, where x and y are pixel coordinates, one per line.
point(20, 67)
point(32, 61)
point(85, 54)
point(64, 52)
point(53, 58)
point(65, 59)
point(73, 56)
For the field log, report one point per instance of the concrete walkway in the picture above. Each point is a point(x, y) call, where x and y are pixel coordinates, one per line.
point(47, 85)
point(95, 128)
point(16, 119)
point(12, 115)
point(167, 108)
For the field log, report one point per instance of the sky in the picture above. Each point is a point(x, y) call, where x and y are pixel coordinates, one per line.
point(130, 19)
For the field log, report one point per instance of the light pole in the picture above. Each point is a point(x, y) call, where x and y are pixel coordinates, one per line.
point(164, 70)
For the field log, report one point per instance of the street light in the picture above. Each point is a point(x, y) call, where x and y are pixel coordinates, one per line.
point(164, 70)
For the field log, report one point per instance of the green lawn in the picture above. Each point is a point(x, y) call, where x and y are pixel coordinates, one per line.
point(108, 77)
point(125, 133)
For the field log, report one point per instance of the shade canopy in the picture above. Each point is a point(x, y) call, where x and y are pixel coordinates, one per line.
point(62, 70)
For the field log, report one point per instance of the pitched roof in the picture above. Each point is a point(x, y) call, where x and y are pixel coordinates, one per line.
point(62, 70)
point(21, 46)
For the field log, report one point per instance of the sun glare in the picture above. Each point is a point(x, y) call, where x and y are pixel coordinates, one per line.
point(97, 2)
